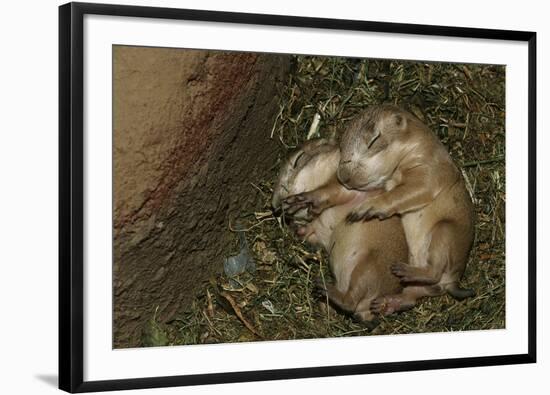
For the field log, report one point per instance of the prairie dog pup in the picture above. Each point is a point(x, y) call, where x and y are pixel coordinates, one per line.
point(360, 254)
point(390, 148)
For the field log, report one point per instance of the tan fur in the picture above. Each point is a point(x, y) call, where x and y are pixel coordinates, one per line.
point(388, 147)
point(360, 253)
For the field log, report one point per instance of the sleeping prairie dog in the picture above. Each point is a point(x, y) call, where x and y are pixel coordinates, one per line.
point(360, 254)
point(387, 147)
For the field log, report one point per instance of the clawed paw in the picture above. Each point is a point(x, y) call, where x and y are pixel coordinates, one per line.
point(293, 204)
point(380, 215)
point(355, 216)
point(384, 305)
point(305, 200)
point(402, 271)
point(319, 287)
point(365, 215)
point(297, 199)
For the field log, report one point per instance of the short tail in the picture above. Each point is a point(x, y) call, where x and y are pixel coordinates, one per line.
point(456, 292)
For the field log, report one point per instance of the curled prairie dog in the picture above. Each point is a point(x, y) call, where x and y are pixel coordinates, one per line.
point(361, 253)
point(390, 148)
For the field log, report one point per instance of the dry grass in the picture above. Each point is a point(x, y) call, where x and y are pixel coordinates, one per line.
point(464, 105)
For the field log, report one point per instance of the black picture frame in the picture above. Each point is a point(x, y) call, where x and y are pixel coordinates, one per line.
point(71, 224)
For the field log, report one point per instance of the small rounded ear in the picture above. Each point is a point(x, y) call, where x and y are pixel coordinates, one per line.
point(400, 121)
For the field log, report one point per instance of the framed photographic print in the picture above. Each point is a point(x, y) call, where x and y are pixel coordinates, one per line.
point(237, 188)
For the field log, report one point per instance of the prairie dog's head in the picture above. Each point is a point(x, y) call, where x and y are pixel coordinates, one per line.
point(306, 169)
point(371, 147)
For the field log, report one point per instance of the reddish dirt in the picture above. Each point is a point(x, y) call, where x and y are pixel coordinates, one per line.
point(191, 131)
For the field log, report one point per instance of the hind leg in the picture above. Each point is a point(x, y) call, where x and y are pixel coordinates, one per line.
point(357, 288)
point(414, 274)
point(428, 268)
point(363, 312)
point(345, 301)
point(405, 300)
point(348, 302)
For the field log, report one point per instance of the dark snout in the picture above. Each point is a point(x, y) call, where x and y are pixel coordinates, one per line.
point(276, 205)
point(277, 211)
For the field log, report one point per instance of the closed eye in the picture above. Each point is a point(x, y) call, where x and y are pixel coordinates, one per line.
point(298, 158)
point(373, 140)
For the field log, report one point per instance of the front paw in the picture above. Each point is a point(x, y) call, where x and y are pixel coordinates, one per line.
point(307, 200)
point(385, 305)
point(361, 215)
point(355, 216)
point(367, 214)
point(402, 271)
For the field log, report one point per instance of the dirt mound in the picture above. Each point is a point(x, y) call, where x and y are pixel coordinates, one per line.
point(189, 137)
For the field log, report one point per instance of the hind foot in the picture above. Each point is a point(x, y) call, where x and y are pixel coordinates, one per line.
point(386, 305)
point(320, 288)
